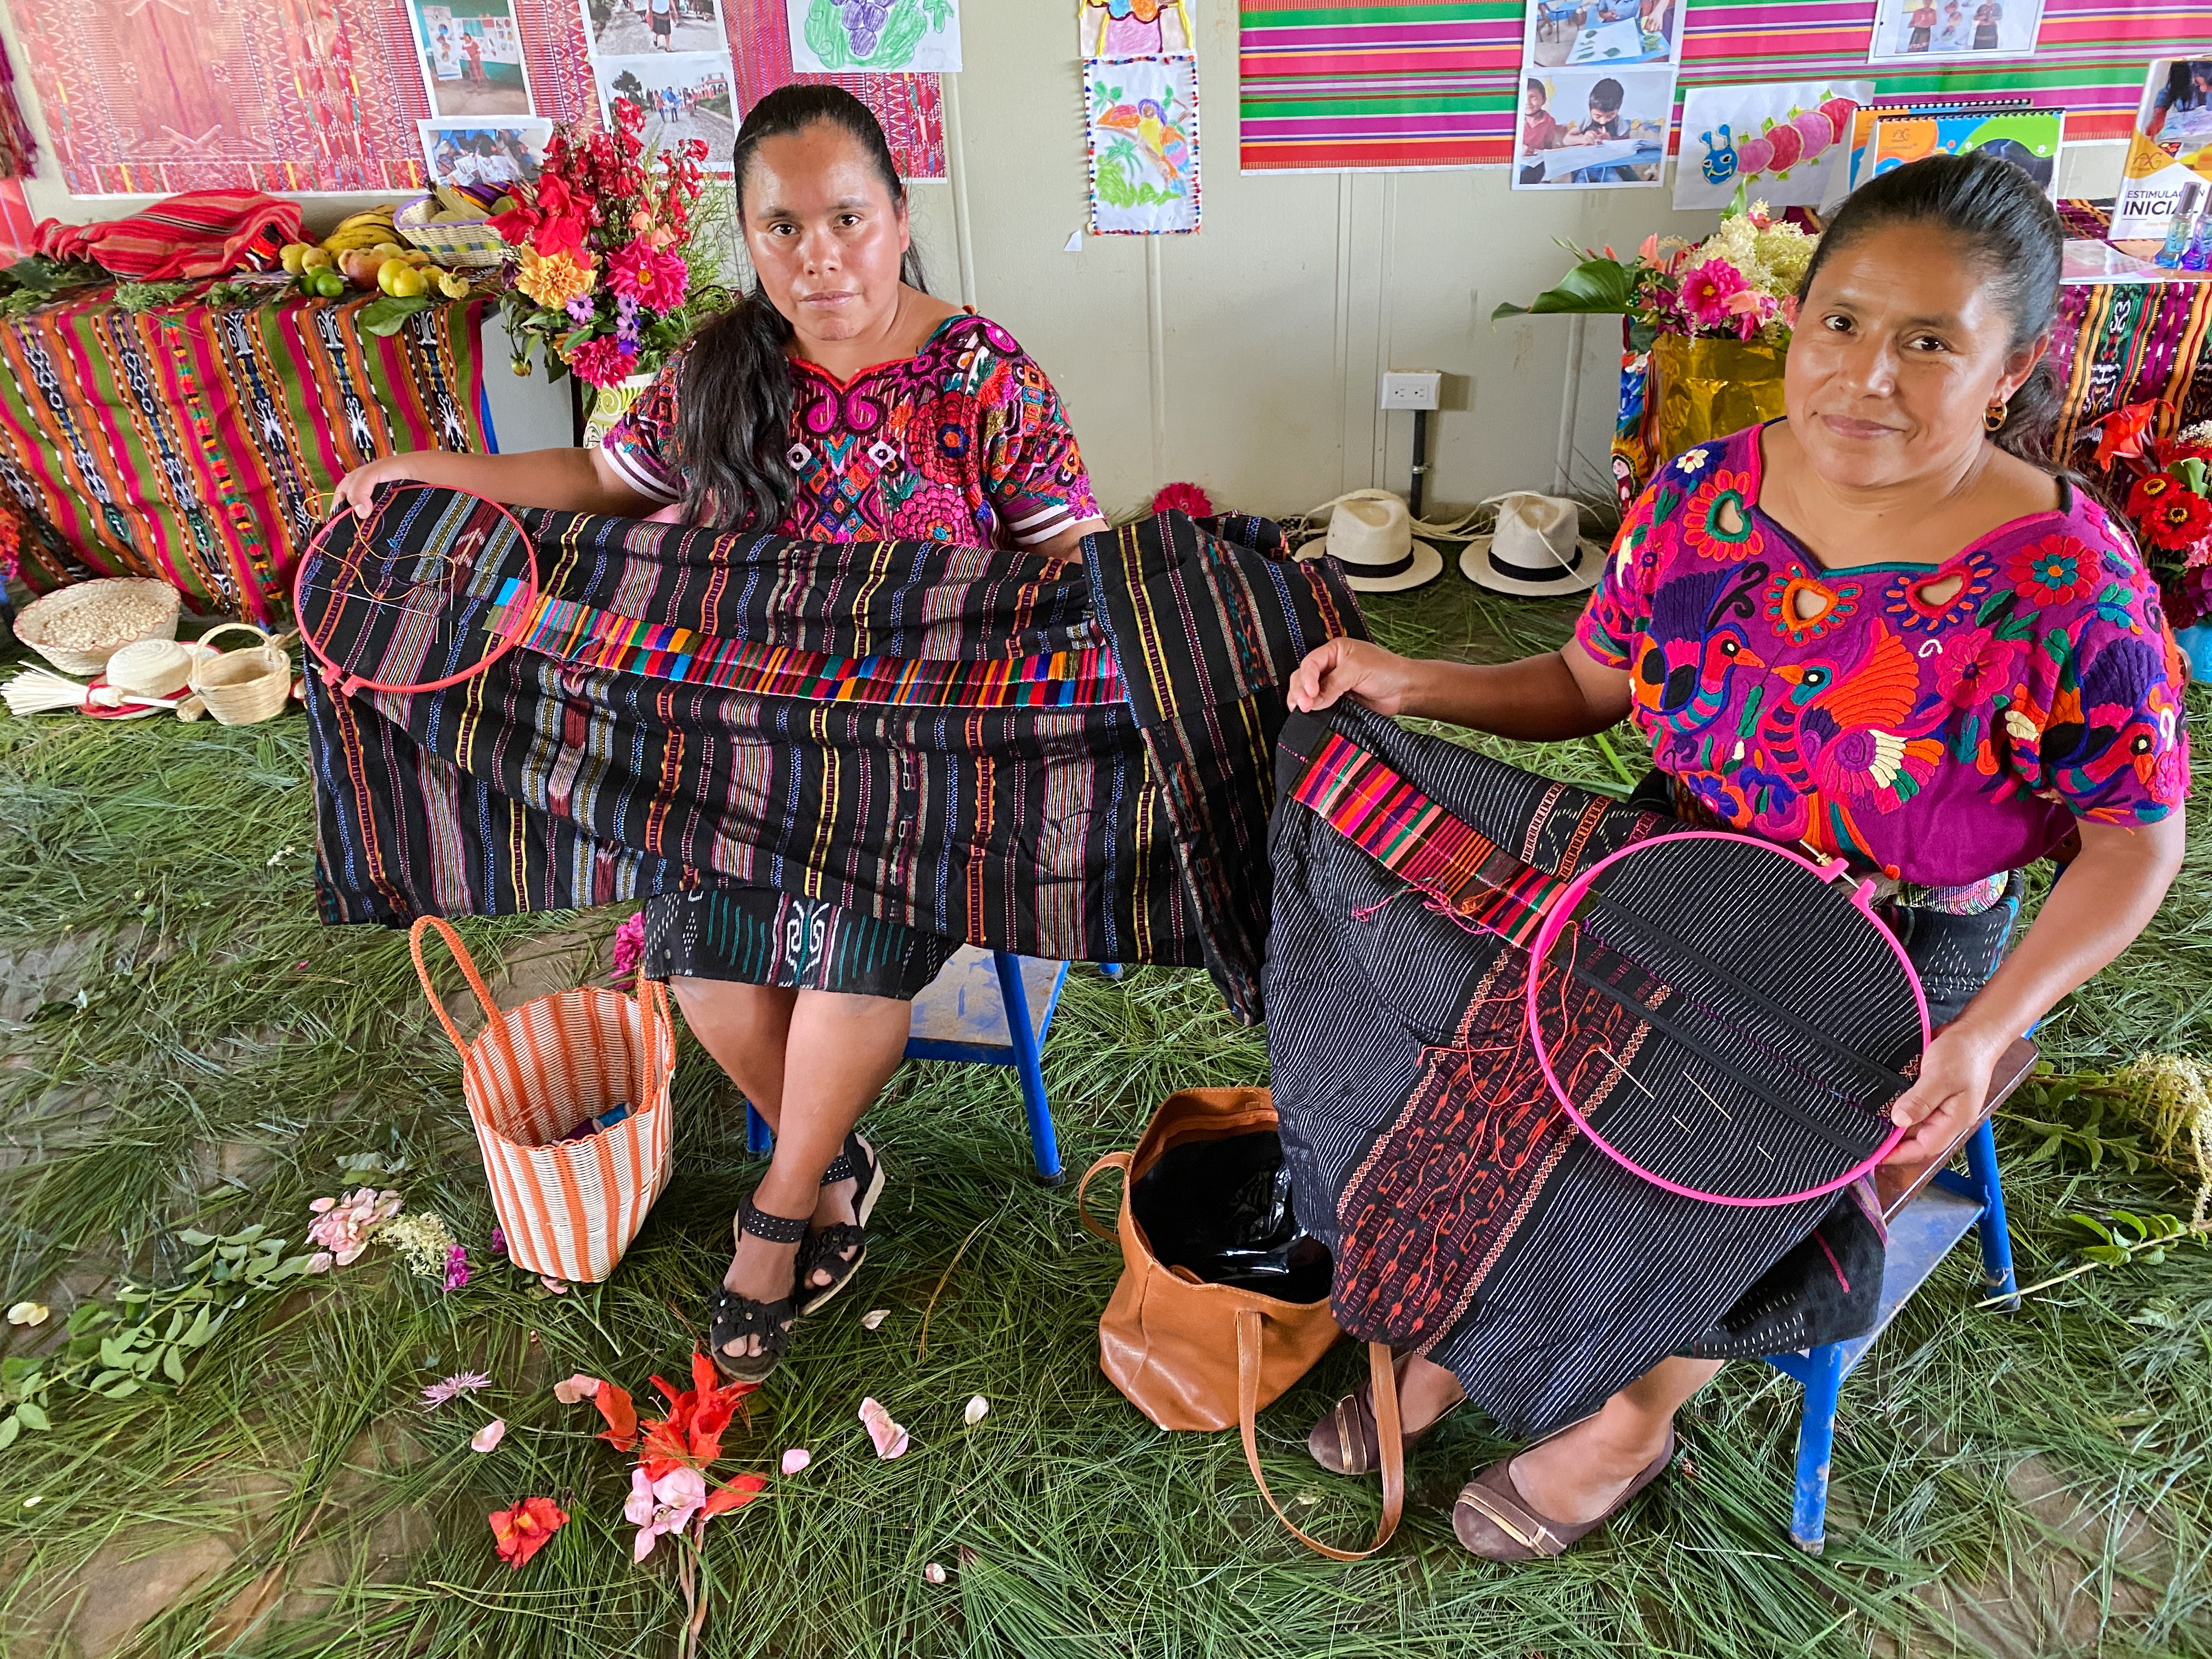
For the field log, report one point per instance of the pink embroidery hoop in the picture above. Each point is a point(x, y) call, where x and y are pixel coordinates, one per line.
point(1556, 917)
point(346, 684)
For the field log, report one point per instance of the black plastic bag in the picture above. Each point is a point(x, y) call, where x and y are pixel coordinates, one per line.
point(1222, 1209)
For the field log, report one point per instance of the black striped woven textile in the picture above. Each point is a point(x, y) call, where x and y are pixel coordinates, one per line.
point(1469, 1219)
point(1074, 763)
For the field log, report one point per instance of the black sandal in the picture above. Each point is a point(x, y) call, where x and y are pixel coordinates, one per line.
point(824, 1249)
point(734, 1317)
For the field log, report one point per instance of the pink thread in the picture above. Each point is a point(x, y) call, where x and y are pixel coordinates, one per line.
point(1832, 1262)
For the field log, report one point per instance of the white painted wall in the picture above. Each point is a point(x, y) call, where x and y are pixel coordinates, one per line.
point(1246, 357)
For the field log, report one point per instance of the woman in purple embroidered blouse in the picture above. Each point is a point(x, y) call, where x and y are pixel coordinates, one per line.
point(1878, 629)
point(841, 402)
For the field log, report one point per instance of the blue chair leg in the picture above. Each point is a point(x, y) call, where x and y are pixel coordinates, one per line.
point(1996, 1236)
point(1043, 1143)
point(1816, 1440)
point(760, 1139)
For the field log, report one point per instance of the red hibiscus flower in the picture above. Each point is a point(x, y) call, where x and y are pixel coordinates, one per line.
point(2179, 521)
point(526, 1528)
point(2054, 571)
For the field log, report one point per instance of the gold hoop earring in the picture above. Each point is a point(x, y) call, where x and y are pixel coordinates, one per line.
point(1993, 418)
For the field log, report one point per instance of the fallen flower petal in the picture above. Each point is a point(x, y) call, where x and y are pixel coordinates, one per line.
point(498, 1242)
point(796, 1459)
point(452, 1387)
point(457, 1267)
point(321, 1262)
point(559, 1287)
point(874, 1317)
point(526, 1528)
point(662, 1506)
point(29, 1312)
point(489, 1436)
point(934, 1572)
point(580, 1386)
point(739, 1489)
point(891, 1439)
point(615, 1406)
point(978, 1408)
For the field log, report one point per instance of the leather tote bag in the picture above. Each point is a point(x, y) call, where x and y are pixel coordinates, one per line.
point(1193, 1355)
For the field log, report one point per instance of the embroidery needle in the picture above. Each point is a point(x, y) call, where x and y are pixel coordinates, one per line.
point(1709, 1099)
point(1623, 1070)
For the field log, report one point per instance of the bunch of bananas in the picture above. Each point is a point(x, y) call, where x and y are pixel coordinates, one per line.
point(364, 229)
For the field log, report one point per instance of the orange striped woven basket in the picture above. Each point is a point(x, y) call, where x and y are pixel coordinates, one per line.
point(570, 1208)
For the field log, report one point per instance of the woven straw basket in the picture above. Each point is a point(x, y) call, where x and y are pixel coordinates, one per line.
point(132, 608)
point(570, 1208)
point(461, 242)
point(246, 685)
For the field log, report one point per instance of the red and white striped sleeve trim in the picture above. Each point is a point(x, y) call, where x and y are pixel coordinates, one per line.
point(639, 471)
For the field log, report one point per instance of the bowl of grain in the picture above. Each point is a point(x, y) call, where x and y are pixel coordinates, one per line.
point(78, 628)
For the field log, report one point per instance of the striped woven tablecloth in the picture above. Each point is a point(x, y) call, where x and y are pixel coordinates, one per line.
point(198, 444)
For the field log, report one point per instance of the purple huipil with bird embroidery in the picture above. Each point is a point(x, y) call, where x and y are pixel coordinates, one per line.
point(1935, 724)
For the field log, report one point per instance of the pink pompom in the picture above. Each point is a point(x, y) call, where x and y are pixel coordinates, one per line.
point(1813, 127)
point(1183, 498)
point(1754, 155)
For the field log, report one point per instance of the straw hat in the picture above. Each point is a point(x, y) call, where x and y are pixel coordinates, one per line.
point(1370, 534)
point(1536, 549)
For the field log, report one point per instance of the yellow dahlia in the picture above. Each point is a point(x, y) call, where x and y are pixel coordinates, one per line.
point(555, 281)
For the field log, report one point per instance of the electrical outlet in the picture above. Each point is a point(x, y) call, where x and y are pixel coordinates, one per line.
point(1411, 388)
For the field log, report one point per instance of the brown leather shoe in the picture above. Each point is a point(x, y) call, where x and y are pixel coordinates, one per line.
point(1346, 1441)
point(1495, 1521)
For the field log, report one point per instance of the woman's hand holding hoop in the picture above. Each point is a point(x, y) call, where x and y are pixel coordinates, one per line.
point(1946, 1100)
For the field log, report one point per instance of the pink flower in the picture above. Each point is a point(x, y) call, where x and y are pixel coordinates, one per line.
point(489, 1436)
point(891, 1439)
point(660, 1506)
point(795, 1459)
point(629, 944)
point(344, 1225)
point(580, 1386)
point(1183, 498)
point(498, 1242)
point(651, 276)
point(601, 362)
point(559, 1287)
point(457, 1267)
point(453, 1387)
point(1790, 311)
point(1707, 290)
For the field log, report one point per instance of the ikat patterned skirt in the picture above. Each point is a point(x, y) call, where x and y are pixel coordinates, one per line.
point(756, 936)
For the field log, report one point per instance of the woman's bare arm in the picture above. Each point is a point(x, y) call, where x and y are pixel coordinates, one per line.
point(572, 480)
point(1563, 694)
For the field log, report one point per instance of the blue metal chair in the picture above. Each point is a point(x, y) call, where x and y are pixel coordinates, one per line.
point(964, 1015)
point(1929, 1215)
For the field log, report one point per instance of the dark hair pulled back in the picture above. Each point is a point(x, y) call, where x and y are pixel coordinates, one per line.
point(733, 413)
point(2003, 222)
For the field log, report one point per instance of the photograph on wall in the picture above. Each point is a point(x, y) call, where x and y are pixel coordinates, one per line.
point(471, 57)
point(874, 37)
point(483, 157)
point(2170, 150)
point(625, 28)
point(2029, 138)
point(1142, 133)
point(686, 97)
point(1584, 34)
point(1132, 28)
point(1908, 30)
point(1593, 129)
point(1786, 143)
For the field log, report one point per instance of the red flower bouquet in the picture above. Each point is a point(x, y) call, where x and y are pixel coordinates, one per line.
point(2168, 483)
point(601, 283)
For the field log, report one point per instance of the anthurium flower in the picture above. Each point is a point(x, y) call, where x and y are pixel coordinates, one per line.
point(526, 1528)
point(663, 1505)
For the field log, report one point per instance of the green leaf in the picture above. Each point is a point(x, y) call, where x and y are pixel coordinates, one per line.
point(388, 316)
point(33, 1415)
point(173, 1365)
point(9, 1428)
point(101, 1383)
point(2111, 1256)
point(202, 1329)
point(123, 1391)
point(1601, 286)
point(196, 1238)
point(2093, 1225)
point(111, 1354)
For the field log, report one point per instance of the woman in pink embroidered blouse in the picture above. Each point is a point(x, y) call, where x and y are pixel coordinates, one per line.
point(840, 402)
point(1878, 629)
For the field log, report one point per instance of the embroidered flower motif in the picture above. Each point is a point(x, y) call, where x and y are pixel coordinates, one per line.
point(2020, 728)
point(1691, 462)
point(2051, 571)
point(1798, 622)
point(1975, 666)
point(1907, 602)
point(1716, 524)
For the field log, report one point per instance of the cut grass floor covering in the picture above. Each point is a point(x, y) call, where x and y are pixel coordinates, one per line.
point(182, 1046)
